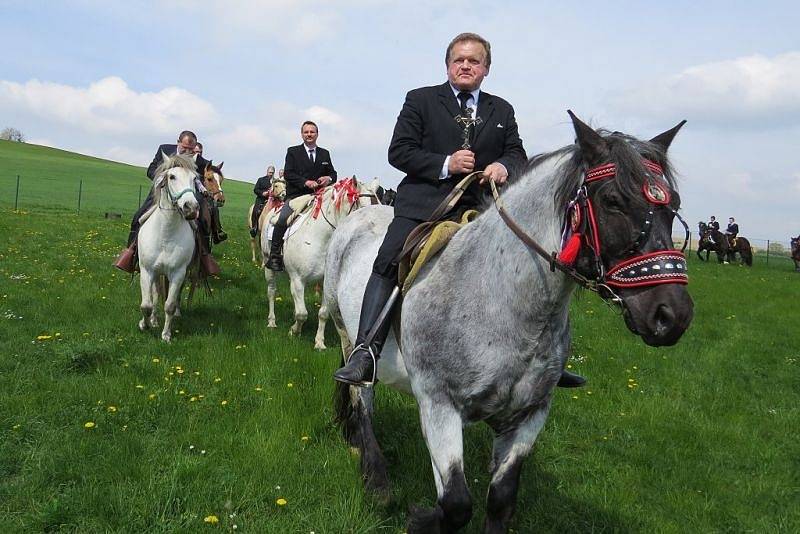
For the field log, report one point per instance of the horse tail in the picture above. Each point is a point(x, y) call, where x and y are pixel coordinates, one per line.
point(747, 252)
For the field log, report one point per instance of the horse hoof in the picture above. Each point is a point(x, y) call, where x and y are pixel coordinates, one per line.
point(320, 347)
point(271, 324)
point(167, 337)
point(142, 325)
point(177, 312)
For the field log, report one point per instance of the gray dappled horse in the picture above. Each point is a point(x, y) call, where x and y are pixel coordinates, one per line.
point(485, 329)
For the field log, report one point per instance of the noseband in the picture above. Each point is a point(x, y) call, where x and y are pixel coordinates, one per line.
point(174, 197)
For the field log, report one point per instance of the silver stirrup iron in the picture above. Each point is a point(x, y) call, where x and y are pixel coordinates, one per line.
point(365, 384)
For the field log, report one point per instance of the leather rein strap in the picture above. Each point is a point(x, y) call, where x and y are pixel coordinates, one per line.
point(551, 257)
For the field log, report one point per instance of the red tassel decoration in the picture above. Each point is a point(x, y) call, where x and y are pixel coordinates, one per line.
point(569, 253)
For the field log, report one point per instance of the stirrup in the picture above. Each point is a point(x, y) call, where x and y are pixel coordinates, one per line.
point(365, 383)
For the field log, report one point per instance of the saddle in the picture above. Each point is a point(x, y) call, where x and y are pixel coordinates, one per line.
point(425, 242)
point(298, 205)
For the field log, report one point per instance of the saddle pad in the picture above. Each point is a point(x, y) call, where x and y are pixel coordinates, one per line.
point(439, 237)
point(294, 225)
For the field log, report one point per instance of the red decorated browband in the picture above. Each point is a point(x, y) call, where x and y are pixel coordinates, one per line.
point(608, 170)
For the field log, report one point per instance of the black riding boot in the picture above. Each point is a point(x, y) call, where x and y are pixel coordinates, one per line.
point(275, 260)
point(570, 380)
point(360, 368)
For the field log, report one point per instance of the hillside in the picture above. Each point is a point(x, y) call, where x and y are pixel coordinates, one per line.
point(52, 179)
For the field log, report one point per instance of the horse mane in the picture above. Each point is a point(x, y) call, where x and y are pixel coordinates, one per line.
point(179, 161)
point(624, 150)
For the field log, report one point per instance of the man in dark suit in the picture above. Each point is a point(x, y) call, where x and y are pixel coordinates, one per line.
point(307, 168)
point(187, 141)
point(428, 145)
point(261, 190)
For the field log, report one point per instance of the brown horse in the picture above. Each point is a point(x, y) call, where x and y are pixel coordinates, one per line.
point(742, 246)
point(712, 240)
point(796, 252)
point(277, 192)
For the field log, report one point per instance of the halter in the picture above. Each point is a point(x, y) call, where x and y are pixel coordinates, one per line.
point(643, 269)
point(580, 230)
point(173, 198)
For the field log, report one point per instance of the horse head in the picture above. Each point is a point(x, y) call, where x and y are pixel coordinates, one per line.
point(277, 188)
point(624, 210)
point(212, 180)
point(175, 178)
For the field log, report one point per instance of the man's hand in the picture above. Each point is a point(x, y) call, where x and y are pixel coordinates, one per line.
point(495, 172)
point(461, 162)
point(323, 180)
point(311, 184)
point(265, 194)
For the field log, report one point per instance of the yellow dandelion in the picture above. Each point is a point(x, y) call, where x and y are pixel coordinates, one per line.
point(588, 392)
point(217, 379)
point(197, 373)
point(16, 427)
point(181, 392)
point(43, 338)
point(58, 334)
point(224, 403)
point(575, 397)
point(304, 438)
point(112, 409)
point(139, 386)
point(88, 424)
point(179, 371)
point(289, 385)
point(151, 396)
point(258, 388)
point(569, 366)
point(211, 519)
point(193, 399)
point(156, 360)
point(631, 380)
point(281, 502)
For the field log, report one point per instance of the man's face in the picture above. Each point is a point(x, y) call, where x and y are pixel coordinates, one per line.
point(712, 218)
point(466, 66)
point(730, 220)
point(270, 172)
point(198, 150)
point(280, 173)
point(309, 133)
point(186, 145)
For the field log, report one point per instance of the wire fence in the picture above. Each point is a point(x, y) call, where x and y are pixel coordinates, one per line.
point(87, 196)
point(124, 198)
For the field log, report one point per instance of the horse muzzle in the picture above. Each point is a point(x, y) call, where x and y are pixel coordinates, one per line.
point(658, 314)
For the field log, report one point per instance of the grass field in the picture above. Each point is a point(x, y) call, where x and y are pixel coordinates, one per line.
point(233, 421)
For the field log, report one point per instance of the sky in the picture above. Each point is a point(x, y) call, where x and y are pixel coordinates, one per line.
point(115, 80)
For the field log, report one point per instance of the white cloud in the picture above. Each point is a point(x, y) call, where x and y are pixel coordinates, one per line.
point(751, 91)
point(108, 106)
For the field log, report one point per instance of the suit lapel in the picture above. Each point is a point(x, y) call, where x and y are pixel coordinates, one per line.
point(448, 100)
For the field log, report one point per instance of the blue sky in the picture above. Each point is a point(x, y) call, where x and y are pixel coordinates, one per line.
point(116, 79)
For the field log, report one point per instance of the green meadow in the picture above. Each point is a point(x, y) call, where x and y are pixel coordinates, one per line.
point(107, 429)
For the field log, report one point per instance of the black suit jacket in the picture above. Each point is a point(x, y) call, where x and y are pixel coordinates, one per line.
point(262, 186)
point(298, 168)
point(171, 150)
point(426, 133)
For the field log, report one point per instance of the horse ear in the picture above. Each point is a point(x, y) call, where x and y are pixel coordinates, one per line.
point(220, 165)
point(375, 185)
point(164, 156)
point(665, 139)
point(593, 147)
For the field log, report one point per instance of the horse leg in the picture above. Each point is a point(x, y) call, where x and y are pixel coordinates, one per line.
point(354, 409)
point(442, 428)
point(269, 276)
point(148, 305)
point(322, 318)
point(300, 311)
point(510, 450)
point(171, 304)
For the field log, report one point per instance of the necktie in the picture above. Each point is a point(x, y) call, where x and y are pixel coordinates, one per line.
point(311, 154)
point(464, 97)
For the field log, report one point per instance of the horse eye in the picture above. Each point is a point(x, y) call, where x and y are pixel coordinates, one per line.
point(171, 176)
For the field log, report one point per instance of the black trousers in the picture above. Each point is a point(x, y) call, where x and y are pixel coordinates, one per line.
point(385, 264)
point(258, 207)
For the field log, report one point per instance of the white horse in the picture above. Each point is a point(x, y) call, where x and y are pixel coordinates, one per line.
point(306, 244)
point(166, 240)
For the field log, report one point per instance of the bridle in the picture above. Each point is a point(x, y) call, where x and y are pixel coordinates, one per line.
point(581, 232)
point(173, 197)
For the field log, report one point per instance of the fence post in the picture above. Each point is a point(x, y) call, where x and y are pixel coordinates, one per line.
point(80, 194)
point(16, 195)
point(140, 196)
point(767, 251)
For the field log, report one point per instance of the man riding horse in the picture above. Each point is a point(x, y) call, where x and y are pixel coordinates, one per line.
point(187, 142)
point(442, 134)
point(261, 190)
point(308, 168)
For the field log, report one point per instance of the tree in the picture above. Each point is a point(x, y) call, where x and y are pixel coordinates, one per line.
point(12, 134)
